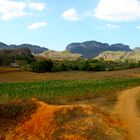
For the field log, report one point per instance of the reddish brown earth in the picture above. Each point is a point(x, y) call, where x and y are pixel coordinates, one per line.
point(69, 122)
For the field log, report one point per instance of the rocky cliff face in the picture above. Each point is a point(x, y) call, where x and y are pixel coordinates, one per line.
point(91, 49)
point(33, 48)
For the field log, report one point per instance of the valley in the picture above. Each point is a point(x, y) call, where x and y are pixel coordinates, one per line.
point(85, 105)
point(87, 94)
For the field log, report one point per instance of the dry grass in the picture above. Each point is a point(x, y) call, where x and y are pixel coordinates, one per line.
point(86, 122)
point(70, 122)
point(12, 113)
point(17, 76)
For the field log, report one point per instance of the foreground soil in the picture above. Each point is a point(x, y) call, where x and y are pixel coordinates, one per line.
point(69, 122)
point(80, 121)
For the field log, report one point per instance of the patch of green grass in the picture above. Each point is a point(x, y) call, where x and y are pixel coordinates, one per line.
point(54, 90)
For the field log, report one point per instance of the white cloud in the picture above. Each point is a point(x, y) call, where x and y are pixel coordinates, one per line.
point(10, 9)
point(117, 10)
point(70, 14)
point(36, 6)
point(37, 25)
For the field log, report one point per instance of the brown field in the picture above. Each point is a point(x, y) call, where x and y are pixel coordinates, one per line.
point(24, 76)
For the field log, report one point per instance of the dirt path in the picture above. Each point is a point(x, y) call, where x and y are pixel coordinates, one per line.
point(128, 113)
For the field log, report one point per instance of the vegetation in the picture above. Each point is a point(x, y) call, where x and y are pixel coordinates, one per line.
point(61, 89)
point(122, 56)
point(52, 61)
point(42, 66)
point(59, 55)
point(85, 123)
point(82, 65)
point(14, 109)
point(18, 56)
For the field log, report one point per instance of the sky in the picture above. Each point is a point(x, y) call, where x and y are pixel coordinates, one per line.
point(56, 23)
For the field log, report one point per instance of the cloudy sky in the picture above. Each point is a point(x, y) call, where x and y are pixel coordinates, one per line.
point(56, 23)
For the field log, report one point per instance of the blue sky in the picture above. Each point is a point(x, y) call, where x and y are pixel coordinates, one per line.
point(56, 23)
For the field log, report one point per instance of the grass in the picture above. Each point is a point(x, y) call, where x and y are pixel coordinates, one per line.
point(14, 109)
point(56, 90)
point(89, 123)
point(13, 113)
point(24, 76)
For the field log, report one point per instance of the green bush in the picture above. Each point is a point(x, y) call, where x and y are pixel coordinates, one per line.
point(28, 59)
point(82, 65)
point(42, 66)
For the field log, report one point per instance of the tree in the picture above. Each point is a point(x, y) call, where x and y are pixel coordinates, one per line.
point(42, 66)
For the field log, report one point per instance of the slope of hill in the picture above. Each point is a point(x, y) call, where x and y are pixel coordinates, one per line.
point(15, 52)
point(91, 49)
point(59, 55)
point(119, 56)
point(136, 49)
point(33, 48)
point(10, 57)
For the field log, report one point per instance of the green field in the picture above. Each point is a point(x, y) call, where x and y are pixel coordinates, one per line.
point(64, 89)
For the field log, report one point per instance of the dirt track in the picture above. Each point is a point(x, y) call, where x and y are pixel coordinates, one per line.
point(128, 113)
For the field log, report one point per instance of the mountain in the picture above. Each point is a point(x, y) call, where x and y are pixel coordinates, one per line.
point(15, 53)
point(33, 48)
point(3, 46)
point(90, 49)
point(16, 57)
point(136, 49)
point(119, 56)
point(59, 55)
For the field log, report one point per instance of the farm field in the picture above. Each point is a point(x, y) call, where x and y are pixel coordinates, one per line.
point(23, 76)
point(69, 105)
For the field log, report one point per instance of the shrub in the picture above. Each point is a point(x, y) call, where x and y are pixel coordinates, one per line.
point(42, 66)
point(27, 59)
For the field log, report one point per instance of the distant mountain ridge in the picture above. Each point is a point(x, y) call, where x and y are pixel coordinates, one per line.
point(33, 48)
point(90, 49)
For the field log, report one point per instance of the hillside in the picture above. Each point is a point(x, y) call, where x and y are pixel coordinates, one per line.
point(92, 49)
point(136, 49)
point(120, 56)
point(15, 52)
point(33, 48)
point(22, 55)
point(59, 55)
